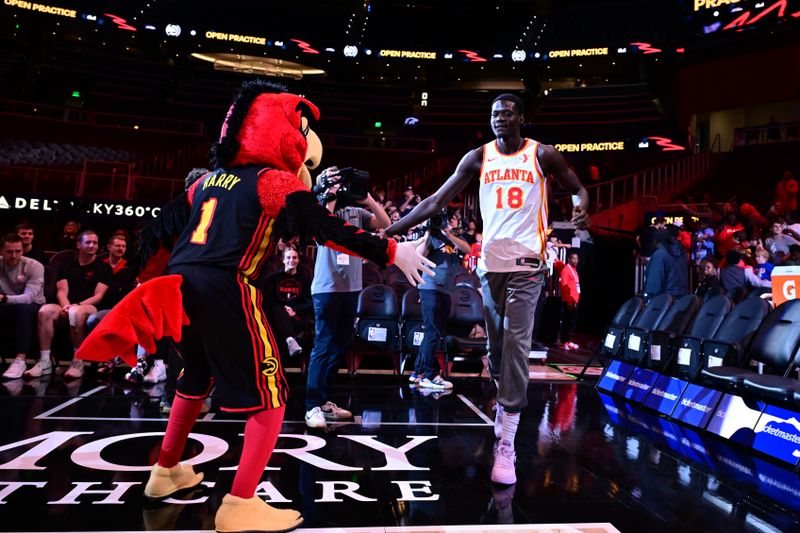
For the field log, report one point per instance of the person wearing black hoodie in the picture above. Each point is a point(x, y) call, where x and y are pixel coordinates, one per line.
point(667, 270)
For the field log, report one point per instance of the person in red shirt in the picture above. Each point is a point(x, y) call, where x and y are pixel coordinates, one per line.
point(117, 245)
point(570, 295)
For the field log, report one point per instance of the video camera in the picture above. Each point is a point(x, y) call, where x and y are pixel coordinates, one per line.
point(436, 226)
point(352, 186)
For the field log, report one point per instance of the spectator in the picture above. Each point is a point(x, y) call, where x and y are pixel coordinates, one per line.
point(69, 239)
point(710, 285)
point(704, 244)
point(751, 216)
point(684, 238)
point(763, 268)
point(334, 292)
point(122, 282)
point(779, 241)
point(594, 172)
point(441, 247)
point(287, 296)
point(469, 233)
point(648, 236)
point(736, 279)
point(25, 231)
point(570, 295)
point(21, 296)
point(408, 202)
point(786, 192)
point(727, 234)
point(379, 193)
point(667, 270)
point(81, 286)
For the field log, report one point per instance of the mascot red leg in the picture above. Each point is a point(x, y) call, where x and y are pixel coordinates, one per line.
point(216, 238)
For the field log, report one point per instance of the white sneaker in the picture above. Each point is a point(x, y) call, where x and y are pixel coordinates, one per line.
point(294, 348)
point(315, 419)
point(41, 368)
point(331, 411)
point(158, 372)
point(441, 382)
point(15, 369)
point(75, 369)
point(428, 384)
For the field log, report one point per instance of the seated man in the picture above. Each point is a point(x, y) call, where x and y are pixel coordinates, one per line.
point(25, 231)
point(287, 298)
point(81, 286)
point(21, 296)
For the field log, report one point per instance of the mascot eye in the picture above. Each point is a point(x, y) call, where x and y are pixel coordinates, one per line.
point(304, 126)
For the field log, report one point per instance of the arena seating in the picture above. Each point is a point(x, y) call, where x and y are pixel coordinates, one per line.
point(658, 341)
point(648, 319)
point(626, 315)
point(23, 152)
point(411, 330)
point(775, 346)
point(731, 341)
point(377, 326)
point(708, 320)
point(466, 310)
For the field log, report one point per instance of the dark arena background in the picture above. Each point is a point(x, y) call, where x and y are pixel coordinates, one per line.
point(685, 112)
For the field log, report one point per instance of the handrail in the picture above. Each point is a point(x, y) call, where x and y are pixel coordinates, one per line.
point(655, 181)
point(717, 142)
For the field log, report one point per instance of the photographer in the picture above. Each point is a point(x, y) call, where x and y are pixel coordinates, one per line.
point(441, 247)
point(408, 202)
point(335, 288)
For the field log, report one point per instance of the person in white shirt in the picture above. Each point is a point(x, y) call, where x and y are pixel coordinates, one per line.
point(21, 296)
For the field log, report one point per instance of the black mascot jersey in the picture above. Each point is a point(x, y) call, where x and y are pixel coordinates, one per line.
point(236, 237)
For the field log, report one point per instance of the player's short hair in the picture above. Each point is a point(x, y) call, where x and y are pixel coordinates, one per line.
point(512, 98)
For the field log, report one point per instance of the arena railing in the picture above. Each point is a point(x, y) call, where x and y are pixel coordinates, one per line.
point(108, 185)
point(14, 108)
point(656, 181)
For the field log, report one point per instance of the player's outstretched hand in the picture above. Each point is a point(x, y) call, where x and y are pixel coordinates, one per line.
point(580, 217)
point(411, 262)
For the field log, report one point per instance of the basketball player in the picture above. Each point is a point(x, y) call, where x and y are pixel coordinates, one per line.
point(513, 175)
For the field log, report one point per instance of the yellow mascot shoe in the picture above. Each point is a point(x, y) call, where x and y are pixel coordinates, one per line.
point(165, 482)
point(254, 514)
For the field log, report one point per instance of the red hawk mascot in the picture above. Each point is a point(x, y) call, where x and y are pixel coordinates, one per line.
point(213, 241)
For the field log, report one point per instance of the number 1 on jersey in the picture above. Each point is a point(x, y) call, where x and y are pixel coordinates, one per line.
point(200, 233)
point(515, 199)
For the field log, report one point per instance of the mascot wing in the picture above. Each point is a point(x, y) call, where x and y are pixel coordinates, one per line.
point(150, 312)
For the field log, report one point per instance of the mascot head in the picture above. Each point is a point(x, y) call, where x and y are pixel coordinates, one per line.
point(268, 127)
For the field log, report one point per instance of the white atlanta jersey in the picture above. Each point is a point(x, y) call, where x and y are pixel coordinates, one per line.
point(513, 198)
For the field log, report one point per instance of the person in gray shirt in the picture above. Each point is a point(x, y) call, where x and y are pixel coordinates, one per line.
point(21, 296)
point(334, 292)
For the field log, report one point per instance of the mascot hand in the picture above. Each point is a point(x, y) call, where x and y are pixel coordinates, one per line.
point(410, 261)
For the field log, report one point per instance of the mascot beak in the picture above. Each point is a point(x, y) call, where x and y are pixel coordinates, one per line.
point(313, 157)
